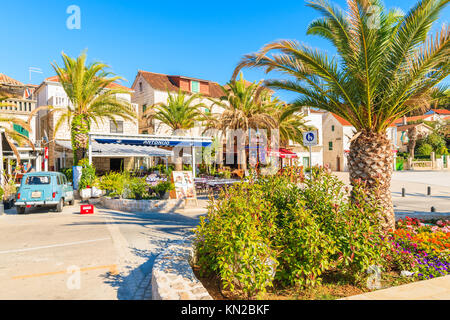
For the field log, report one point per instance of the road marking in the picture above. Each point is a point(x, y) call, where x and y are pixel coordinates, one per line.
point(53, 246)
point(112, 269)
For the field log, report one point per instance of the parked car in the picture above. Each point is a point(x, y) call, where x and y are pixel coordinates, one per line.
point(44, 189)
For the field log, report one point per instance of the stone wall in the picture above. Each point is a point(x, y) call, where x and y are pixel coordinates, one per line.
point(172, 275)
point(142, 205)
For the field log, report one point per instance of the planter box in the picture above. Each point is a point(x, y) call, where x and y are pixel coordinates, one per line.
point(85, 193)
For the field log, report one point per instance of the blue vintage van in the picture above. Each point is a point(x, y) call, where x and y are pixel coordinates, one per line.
point(44, 189)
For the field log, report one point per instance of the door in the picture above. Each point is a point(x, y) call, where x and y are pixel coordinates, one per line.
point(305, 162)
point(338, 163)
point(116, 164)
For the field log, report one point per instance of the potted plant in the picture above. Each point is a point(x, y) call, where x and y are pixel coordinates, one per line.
point(87, 180)
point(162, 189)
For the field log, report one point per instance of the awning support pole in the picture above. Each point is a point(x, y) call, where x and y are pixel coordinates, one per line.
point(193, 161)
point(90, 150)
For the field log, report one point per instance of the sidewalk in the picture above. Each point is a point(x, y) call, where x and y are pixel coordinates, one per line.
point(434, 289)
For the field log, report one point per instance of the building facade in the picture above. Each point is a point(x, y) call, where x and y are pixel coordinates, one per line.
point(19, 102)
point(337, 133)
point(51, 93)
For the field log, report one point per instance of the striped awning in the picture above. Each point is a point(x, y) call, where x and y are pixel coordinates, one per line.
point(120, 150)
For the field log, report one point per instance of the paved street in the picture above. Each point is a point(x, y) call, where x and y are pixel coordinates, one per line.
point(108, 255)
point(415, 183)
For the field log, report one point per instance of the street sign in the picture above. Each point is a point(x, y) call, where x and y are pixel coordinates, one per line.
point(310, 138)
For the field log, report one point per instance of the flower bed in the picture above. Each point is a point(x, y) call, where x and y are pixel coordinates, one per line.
point(422, 247)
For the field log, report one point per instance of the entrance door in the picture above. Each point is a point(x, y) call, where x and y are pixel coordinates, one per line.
point(338, 163)
point(116, 164)
point(305, 162)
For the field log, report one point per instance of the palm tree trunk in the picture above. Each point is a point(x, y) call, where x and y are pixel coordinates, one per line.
point(80, 138)
point(371, 160)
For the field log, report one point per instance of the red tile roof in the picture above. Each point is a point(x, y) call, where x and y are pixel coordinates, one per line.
point(164, 82)
point(342, 120)
point(348, 124)
point(110, 86)
point(414, 118)
point(441, 111)
point(4, 79)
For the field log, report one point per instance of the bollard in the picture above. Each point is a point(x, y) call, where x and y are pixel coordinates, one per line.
point(428, 191)
point(403, 192)
point(2, 211)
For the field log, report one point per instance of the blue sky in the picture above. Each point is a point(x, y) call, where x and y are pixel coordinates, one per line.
point(202, 39)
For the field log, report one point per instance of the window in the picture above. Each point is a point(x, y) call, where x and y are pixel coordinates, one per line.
point(332, 128)
point(330, 145)
point(59, 180)
point(145, 132)
point(144, 108)
point(116, 127)
point(35, 180)
point(195, 86)
point(140, 87)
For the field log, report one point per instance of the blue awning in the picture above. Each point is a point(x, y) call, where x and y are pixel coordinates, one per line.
point(155, 142)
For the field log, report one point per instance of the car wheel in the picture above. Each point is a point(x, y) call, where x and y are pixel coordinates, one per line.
point(60, 205)
point(20, 210)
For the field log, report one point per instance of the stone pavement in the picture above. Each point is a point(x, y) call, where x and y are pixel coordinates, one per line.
point(433, 289)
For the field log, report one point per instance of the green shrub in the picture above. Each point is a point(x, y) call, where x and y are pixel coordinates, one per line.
point(163, 187)
point(68, 172)
point(138, 188)
point(1, 193)
point(113, 183)
point(425, 149)
point(305, 230)
point(234, 239)
point(88, 176)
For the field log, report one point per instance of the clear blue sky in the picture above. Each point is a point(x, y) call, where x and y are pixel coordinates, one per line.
point(202, 39)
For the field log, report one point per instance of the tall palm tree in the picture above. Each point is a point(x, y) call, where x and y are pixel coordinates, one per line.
point(246, 106)
point(93, 98)
point(290, 122)
point(179, 113)
point(387, 65)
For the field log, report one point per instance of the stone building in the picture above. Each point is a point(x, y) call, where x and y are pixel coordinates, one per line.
point(51, 93)
point(20, 103)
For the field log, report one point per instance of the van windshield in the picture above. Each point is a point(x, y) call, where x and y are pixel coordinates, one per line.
point(34, 180)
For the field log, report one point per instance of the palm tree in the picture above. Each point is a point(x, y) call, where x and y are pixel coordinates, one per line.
point(246, 106)
point(179, 113)
point(387, 65)
point(290, 123)
point(93, 98)
point(7, 123)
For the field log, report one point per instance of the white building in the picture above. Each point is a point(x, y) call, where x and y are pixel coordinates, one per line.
point(51, 93)
point(313, 119)
point(337, 133)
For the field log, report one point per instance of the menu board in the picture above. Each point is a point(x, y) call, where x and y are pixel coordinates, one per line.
point(184, 185)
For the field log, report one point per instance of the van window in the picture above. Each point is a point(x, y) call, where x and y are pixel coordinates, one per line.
point(35, 180)
point(64, 179)
point(59, 180)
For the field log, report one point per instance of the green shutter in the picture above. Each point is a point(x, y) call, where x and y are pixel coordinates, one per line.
point(195, 86)
point(330, 145)
point(22, 131)
point(144, 108)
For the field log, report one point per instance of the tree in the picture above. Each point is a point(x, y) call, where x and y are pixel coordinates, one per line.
point(387, 64)
point(246, 106)
point(93, 98)
point(179, 113)
point(412, 140)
